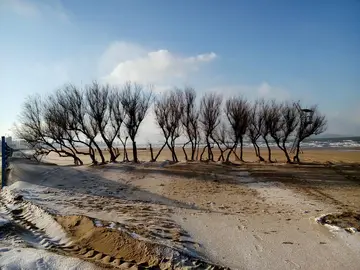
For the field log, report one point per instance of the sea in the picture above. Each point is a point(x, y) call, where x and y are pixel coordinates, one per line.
point(346, 143)
point(339, 143)
point(323, 143)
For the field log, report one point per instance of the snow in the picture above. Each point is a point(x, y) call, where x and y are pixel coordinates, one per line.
point(98, 223)
point(30, 258)
point(3, 221)
point(241, 241)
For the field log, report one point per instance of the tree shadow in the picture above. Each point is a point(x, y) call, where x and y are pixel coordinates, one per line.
point(315, 174)
point(310, 174)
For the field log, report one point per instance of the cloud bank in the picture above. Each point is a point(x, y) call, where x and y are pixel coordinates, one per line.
point(124, 61)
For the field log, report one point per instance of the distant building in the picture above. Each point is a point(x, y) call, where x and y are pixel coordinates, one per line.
point(9, 141)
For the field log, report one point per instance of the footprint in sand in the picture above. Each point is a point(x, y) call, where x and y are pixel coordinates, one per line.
point(258, 248)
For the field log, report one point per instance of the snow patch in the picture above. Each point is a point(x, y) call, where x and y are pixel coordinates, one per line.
point(29, 258)
point(98, 223)
point(334, 228)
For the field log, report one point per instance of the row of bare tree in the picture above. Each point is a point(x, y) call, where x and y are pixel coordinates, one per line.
point(72, 119)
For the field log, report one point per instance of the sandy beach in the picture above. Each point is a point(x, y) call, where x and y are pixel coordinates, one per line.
point(321, 155)
point(193, 214)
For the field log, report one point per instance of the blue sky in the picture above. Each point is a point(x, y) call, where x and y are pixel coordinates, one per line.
point(307, 50)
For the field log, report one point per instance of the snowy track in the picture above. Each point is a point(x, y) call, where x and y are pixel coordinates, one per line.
point(32, 226)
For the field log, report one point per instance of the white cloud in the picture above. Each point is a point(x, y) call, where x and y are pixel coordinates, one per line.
point(21, 7)
point(28, 8)
point(344, 122)
point(252, 92)
point(124, 61)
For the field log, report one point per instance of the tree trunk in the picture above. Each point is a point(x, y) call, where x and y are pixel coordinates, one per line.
point(112, 155)
point(210, 154)
point(288, 159)
point(221, 157)
point(151, 152)
point(258, 150)
point(174, 151)
point(255, 149)
point(134, 150)
point(296, 157)
point(158, 154)
point(170, 146)
point(183, 148)
point(241, 149)
point(231, 150)
point(269, 149)
point(283, 148)
point(77, 160)
point(198, 149)
point(126, 157)
point(92, 155)
point(99, 151)
point(202, 153)
point(193, 150)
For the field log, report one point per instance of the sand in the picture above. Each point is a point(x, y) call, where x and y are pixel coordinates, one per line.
point(110, 242)
point(320, 155)
point(245, 216)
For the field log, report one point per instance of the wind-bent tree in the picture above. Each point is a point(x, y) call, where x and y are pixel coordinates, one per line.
point(190, 121)
point(311, 122)
point(117, 116)
point(57, 128)
point(135, 102)
point(82, 123)
point(37, 129)
point(168, 112)
point(267, 122)
point(237, 112)
point(223, 140)
point(123, 137)
point(63, 104)
point(210, 111)
point(31, 128)
point(97, 97)
point(255, 126)
point(285, 121)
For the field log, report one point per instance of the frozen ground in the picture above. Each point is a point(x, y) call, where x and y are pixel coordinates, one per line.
point(223, 216)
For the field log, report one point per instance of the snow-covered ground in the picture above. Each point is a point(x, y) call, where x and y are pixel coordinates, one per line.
point(229, 219)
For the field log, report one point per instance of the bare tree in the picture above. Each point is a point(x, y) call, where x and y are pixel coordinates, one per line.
point(38, 129)
point(266, 115)
point(66, 106)
point(124, 142)
point(255, 126)
point(237, 112)
point(311, 122)
point(57, 128)
point(168, 112)
point(30, 129)
point(210, 111)
point(223, 140)
point(117, 116)
point(135, 102)
point(284, 123)
point(190, 121)
point(97, 97)
point(84, 125)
